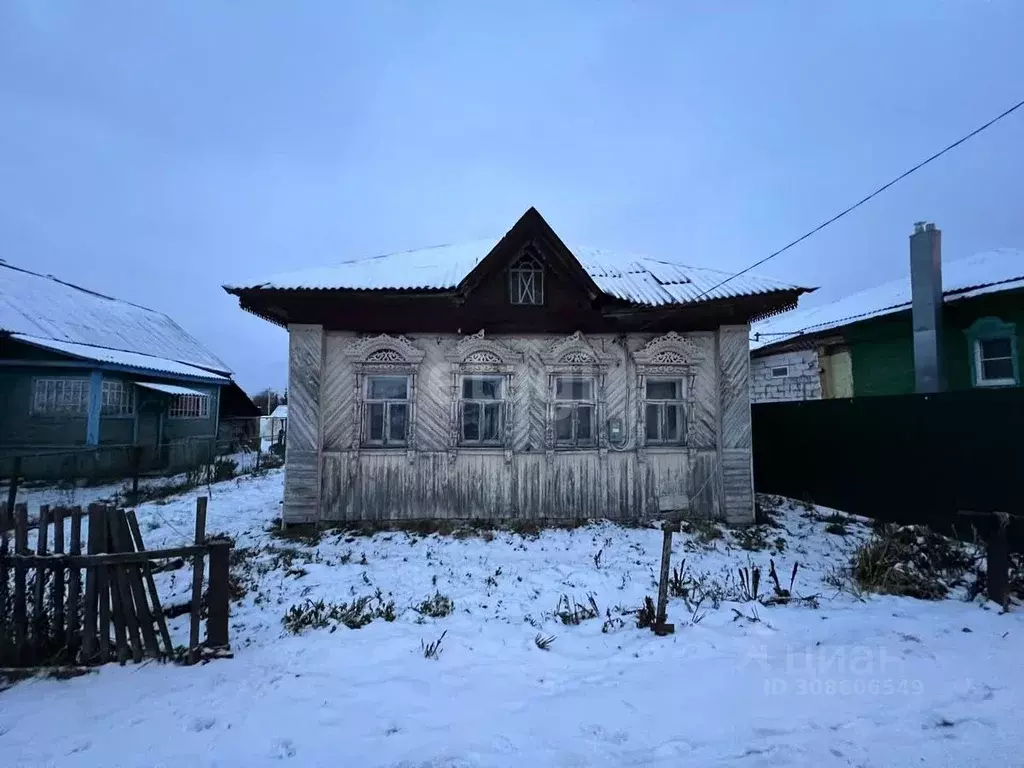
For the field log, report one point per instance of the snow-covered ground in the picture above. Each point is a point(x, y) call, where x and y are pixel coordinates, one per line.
point(871, 681)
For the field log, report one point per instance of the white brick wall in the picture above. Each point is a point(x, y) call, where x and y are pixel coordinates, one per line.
point(802, 381)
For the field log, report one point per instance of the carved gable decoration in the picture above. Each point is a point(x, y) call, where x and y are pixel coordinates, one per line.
point(476, 350)
point(384, 351)
point(574, 351)
point(669, 351)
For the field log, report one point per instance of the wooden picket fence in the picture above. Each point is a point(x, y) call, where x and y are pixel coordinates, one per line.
point(46, 618)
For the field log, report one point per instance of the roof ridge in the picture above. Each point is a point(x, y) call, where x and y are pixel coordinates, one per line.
point(77, 287)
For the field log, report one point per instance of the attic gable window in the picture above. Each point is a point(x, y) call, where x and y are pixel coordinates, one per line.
point(526, 281)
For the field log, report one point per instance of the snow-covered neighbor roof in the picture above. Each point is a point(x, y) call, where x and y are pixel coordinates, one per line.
point(630, 277)
point(281, 412)
point(987, 272)
point(98, 327)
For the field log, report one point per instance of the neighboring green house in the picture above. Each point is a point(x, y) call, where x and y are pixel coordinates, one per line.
point(90, 385)
point(863, 344)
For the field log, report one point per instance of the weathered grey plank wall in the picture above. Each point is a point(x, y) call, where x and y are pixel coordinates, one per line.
point(737, 449)
point(302, 450)
point(435, 478)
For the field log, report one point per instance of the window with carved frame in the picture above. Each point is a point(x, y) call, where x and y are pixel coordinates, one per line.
point(666, 368)
point(575, 409)
point(482, 393)
point(384, 406)
point(386, 409)
point(664, 412)
point(482, 410)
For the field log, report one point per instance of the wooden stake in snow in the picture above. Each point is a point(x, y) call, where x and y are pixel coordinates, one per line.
point(661, 627)
point(197, 581)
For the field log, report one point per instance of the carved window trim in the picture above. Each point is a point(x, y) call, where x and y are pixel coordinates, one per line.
point(666, 357)
point(383, 355)
point(574, 355)
point(477, 355)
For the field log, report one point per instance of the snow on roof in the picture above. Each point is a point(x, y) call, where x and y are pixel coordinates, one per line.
point(281, 412)
point(630, 277)
point(168, 389)
point(44, 307)
point(987, 272)
point(125, 359)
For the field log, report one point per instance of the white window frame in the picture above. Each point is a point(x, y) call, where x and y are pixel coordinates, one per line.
point(117, 399)
point(55, 393)
point(772, 371)
point(499, 403)
point(387, 402)
point(526, 282)
point(662, 404)
point(573, 404)
point(979, 359)
point(181, 406)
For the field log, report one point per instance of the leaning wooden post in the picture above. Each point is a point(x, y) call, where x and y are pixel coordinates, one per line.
point(197, 581)
point(998, 561)
point(217, 596)
point(661, 627)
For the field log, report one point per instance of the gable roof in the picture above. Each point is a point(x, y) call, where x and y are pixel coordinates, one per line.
point(47, 312)
point(632, 278)
point(987, 272)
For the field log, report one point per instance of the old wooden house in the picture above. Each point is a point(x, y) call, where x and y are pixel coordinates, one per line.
point(516, 379)
point(92, 386)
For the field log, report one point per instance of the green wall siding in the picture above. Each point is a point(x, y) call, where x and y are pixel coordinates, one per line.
point(882, 351)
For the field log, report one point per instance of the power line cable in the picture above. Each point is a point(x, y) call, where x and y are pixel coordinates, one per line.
point(863, 200)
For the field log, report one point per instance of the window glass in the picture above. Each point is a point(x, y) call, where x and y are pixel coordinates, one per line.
point(388, 388)
point(481, 388)
point(574, 388)
point(664, 389)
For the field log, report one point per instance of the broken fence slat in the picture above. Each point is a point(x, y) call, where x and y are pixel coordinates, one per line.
point(59, 572)
point(74, 583)
point(124, 542)
point(39, 629)
point(95, 543)
point(20, 574)
point(147, 573)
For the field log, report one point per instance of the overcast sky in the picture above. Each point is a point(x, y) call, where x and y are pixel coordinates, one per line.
point(157, 150)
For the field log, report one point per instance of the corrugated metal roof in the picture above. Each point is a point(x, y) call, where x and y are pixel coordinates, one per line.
point(633, 278)
point(44, 307)
point(168, 389)
point(987, 272)
point(118, 357)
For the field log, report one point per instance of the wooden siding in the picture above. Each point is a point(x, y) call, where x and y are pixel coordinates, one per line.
point(736, 467)
point(302, 451)
point(436, 478)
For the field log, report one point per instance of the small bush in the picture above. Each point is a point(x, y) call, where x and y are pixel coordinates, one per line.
point(647, 614)
point(544, 643)
point(911, 560)
point(753, 538)
point(572, 613)
point(222, 469)
point(704, 530)
point(320, 614)
point(433, 650)
point(436, 607)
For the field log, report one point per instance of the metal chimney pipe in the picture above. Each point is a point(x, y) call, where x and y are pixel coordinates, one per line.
point(926, 307)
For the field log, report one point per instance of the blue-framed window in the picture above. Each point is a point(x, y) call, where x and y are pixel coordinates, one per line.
point(995, 358)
